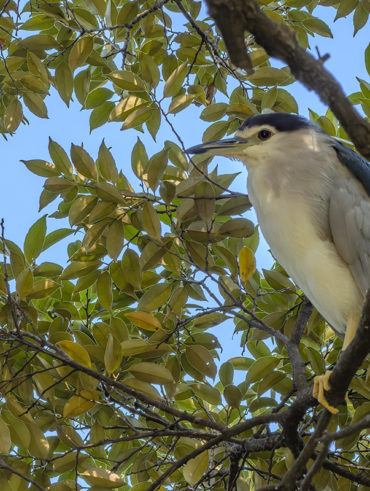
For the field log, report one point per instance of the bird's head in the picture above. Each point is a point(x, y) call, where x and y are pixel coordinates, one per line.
point(259, 137)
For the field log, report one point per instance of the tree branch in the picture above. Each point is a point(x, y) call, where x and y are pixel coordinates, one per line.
point(351, 359)
point(234, 17)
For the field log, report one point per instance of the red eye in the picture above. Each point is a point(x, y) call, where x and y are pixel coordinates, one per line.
point(264, 134)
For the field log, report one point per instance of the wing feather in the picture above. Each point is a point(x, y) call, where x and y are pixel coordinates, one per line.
point(349, 215)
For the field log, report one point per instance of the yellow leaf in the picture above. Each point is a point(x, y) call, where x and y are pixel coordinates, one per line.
point(76, 352)
point(81, 403)
point(247, 264)
point(103, 478)
point(144, 320)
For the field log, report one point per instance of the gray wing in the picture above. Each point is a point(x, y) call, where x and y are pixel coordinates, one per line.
point(349, 214)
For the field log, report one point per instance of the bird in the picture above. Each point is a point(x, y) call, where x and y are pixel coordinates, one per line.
point(311, 195)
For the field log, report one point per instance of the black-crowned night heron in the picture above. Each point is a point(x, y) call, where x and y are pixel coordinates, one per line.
point(311, 194)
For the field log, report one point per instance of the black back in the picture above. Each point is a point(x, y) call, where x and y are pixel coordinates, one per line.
point(354, 163)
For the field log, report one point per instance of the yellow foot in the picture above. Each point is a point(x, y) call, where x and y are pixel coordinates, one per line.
point(321, 383)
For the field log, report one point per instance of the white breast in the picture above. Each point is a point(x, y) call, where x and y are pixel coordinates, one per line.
point(311, 261)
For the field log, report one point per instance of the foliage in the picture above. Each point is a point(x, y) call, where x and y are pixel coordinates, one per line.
point(110, 373)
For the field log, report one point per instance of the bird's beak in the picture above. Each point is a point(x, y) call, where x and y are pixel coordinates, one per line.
point(229, 147)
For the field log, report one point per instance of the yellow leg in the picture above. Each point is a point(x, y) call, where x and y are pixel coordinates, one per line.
point(352, 325)
point(321, 382)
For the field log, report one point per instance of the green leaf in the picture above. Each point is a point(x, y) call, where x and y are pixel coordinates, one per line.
point(195, 468)
point(56, 236)
point(149, 69)
point(80, 52)
point(233, 395)
point(127, 81)
point(201, 359)
point(206, 393)
point(175, 81)
point(367, 58)
point(34, 241)
point(318, 26)
point(139, 159)
point(151, 222)
point(214, 112)
point(237, 227)
point(97, 96)
point(151, 372)
point(131, 268)
point(35, 104)
point(261, 368)
point(64, 82)
point(360, 18)
point(127, 13)
point(13, 115)
point(156, 167)
point(216, 131)
point(104, 290)
point(345, 7)
point(79, 268)
point(180, 102)
point(41, 168)
point(107, 164)
point(268, 76)
point(205, 202)
point(60, 158)
point(155, 297)
point(100, 115)
point(113, 354)
point(81, 85)
point(114, 239)
point(83, 163)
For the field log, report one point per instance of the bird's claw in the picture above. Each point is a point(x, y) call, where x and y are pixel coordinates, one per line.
point(321, 383)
